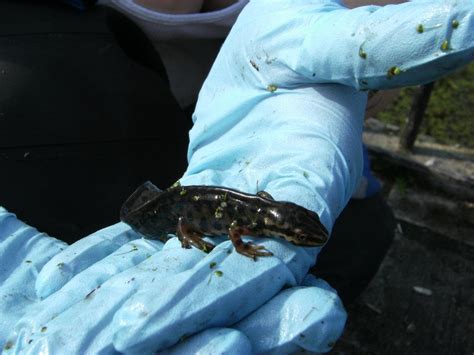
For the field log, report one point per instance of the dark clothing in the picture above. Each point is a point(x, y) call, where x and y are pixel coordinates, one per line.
point(81, 125)
point(359, 241)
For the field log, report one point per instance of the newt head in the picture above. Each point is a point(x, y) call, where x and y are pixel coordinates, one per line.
point(296, 224)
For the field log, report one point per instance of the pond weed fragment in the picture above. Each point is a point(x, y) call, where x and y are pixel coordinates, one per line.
point(254, 65)
point(393, 71)
point(445, 45)
point(272, 88)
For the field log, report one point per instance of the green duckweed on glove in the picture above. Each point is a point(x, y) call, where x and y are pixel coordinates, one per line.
point(280, 111)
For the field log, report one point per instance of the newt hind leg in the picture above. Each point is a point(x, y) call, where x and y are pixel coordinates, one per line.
point(247, 249)
point(188, 237)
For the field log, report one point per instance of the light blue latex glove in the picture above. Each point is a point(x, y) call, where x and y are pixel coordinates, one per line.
point(94, 295)
point(281, 111)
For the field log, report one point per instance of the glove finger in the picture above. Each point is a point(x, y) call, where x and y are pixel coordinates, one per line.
point(80, 255)
point(92, 329)
point(85, 283)
point(223, 341)
point(23, 252)
point(221, 289)
point(19, 243)
point(369, 47)
point(299, 318)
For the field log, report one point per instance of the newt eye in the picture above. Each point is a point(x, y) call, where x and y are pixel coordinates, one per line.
point(301, 237)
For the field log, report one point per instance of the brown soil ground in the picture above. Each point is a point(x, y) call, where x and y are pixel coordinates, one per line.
point(420, 302)
point(395, 316)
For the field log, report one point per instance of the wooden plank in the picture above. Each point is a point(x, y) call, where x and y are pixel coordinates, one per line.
point(454, 185)
point(415, 117)
point(392, 318)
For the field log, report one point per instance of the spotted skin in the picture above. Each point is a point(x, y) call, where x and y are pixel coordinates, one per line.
point(192, 212)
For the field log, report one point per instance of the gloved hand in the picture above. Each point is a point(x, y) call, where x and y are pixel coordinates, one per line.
point(114, 291)
point(281, 111)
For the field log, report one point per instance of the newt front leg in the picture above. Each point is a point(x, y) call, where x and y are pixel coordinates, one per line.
point(187, 236)
point(247, 249)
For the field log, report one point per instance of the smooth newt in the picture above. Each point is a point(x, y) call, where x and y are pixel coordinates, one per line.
point(196, 211)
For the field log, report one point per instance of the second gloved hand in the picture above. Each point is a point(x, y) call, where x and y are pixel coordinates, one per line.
point(110, 292)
